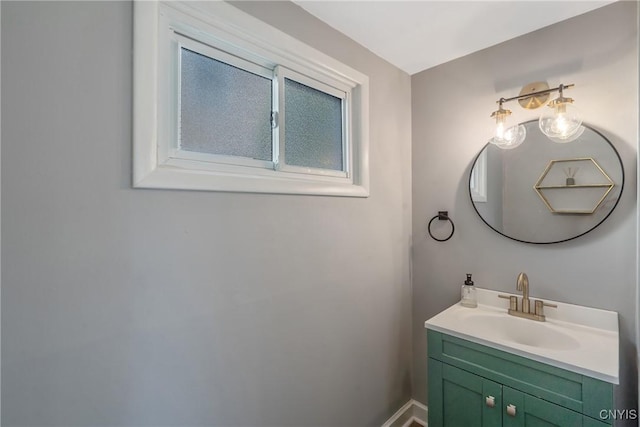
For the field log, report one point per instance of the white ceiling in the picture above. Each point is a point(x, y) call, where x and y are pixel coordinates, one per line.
point(416, 35)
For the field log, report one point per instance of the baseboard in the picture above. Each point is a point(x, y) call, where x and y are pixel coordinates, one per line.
point(410, 412)
point(401, 416)
point(420, 413)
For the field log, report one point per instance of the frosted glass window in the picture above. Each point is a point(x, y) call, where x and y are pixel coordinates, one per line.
point(220, 122)
point(313, 127)
point(224, 109)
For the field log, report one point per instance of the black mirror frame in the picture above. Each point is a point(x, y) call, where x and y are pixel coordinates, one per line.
point(555, 241)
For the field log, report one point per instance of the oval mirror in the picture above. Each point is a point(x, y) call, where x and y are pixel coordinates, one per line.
point(545, 192)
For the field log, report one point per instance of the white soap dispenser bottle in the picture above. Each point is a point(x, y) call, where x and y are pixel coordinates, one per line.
point(469, 298)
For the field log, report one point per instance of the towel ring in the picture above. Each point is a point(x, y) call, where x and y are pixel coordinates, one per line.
point(442, 216)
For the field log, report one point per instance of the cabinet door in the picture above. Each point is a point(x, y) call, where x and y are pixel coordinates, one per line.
point(590, 422)
point(524, 410)
point(458, 398)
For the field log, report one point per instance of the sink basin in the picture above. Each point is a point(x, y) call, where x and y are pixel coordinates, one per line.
point(521, 331)
point(580, 339)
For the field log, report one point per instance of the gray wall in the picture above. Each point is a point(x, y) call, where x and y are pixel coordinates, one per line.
point(142, 307)
point(451, 103)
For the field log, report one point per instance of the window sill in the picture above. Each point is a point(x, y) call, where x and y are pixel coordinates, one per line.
point(176, 178)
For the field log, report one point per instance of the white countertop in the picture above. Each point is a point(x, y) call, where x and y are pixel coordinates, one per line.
point(579, 339)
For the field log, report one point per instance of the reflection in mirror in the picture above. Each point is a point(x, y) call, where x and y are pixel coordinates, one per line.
point(545, 192)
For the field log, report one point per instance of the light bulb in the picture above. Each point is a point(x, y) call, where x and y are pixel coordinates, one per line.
point(500, 128)
point(506, 137)
point(562, 121)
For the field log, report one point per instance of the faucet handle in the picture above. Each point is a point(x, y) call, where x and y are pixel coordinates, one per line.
point(513, 301)
point(539, 307)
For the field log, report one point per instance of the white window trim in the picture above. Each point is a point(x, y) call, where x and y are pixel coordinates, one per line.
point(153, 165)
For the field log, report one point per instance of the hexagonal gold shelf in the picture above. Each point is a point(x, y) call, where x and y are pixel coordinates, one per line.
point(583, 195)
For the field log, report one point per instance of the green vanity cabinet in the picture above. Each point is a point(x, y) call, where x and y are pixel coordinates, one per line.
point(471, 385)
point(461, 396)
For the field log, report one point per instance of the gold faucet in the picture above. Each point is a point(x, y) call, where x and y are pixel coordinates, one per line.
point(522, 285)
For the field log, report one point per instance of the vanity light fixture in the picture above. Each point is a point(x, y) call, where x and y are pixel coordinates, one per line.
point(561, 123)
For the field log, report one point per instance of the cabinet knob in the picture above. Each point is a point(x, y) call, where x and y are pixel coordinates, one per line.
point(511, 410)
point(491, 401)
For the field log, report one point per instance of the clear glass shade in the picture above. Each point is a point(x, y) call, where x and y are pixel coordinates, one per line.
point(510, 137)
point(561, 122)
point(573, 137)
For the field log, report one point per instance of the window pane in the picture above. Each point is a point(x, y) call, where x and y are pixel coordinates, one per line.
point(313, 127)
point(224, 110)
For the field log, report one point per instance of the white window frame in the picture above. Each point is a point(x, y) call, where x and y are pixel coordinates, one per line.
point(478, 180)
point(284, 73)
point(223, 32)
point(174, 151)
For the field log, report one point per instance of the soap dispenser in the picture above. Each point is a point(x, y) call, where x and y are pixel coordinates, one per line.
point(469, 298)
